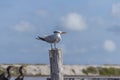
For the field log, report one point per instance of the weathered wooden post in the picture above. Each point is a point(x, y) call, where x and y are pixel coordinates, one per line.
point(56, 66)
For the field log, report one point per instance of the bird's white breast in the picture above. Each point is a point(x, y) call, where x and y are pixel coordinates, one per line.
point(57, 38)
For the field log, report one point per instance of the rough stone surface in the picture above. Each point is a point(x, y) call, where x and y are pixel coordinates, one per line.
point(44, 70)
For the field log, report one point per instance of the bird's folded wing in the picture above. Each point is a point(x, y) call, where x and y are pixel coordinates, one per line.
point(50, 38)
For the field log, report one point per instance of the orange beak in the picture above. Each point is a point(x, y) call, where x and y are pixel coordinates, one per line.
point(63, 32)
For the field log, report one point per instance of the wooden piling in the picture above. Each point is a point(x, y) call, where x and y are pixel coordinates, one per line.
point(56, 66)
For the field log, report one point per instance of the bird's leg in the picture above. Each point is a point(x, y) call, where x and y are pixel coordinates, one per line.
point(55, 45)
point(51, 46)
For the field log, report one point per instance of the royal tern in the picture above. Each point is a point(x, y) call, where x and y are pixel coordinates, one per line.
point(52, 39)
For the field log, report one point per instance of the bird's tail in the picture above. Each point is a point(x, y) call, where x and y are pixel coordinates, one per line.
point(40, 38)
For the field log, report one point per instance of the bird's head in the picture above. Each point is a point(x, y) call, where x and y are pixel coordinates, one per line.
point(60, 32)
point(10, 68)
point(21, 67)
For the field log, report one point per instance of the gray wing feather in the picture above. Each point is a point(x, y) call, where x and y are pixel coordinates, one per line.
point(50, 38)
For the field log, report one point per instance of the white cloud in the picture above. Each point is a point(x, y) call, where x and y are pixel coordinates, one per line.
point(116, 10)
point(24, 26)
point(109, 45)
point(74, 21)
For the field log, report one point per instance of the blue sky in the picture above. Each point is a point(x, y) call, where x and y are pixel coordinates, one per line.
point(92, 26)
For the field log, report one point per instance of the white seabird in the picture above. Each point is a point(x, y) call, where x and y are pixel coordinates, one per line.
point(52, 39)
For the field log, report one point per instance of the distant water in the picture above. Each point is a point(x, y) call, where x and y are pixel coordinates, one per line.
point(31, 78)
point(76, 78)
